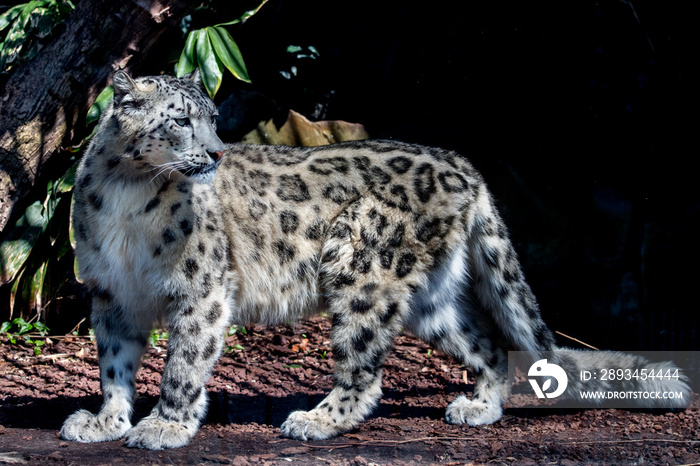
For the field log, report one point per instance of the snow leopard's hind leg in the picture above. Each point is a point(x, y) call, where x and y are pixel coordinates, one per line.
point(489, 362)
point(367, 301)
point(443, 314)
point(498, 313)
point(121, 342)
point(490, 393)
point(360, 347)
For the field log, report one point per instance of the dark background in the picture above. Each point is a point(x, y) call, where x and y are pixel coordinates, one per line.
point(580, 115)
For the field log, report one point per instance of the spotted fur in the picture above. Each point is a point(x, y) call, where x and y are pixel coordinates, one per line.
point(386, 236)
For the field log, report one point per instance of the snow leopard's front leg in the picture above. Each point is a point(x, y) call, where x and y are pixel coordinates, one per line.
point(121, 341)
point(196, 340)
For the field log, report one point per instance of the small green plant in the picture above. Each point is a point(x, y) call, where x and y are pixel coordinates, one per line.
point(211, 49)
point(27, 25)
point(231, 349)
point(19, 329)
point(157, 335)
point(234, 329)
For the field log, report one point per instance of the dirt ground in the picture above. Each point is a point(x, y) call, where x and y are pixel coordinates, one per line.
point(282, 369)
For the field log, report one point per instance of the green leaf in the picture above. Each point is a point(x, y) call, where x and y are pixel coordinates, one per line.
point(28, 22)
point(23, 326)
point(41, 328)
point(15, 249)
point(245, 16)
point(36, 286)
point(154, 338)
point(188, 61)
point(10, 15)
point(227, 51)
point(29, 8)
point(209, 64)
point(44, 19)
point(5, 326)
point(67, 181)
point(103, 99)
point(71, 229)
point(71, 238)
point(35, 343)
point(51, 203)
point(14, 41)
point(15, 287)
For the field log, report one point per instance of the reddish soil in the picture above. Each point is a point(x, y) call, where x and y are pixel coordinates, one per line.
point(280, 370)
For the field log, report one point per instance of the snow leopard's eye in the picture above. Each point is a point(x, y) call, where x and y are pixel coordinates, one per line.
point(182, 121)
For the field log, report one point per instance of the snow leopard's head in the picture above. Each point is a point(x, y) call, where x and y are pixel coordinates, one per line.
point(167, 124)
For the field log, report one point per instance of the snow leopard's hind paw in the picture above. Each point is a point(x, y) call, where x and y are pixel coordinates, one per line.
point(472, 412)
point(316, 424)
point(83, 426)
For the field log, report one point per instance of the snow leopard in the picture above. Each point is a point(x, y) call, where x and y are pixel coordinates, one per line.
point(175, 228)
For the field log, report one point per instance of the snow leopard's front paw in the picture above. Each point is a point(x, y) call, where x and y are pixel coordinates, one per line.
point(154, 433)
point(472, 412)
point(83, 426)
point(316, 424)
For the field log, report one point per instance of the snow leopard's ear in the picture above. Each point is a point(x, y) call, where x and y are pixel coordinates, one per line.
point(125, 91)
point(123, 85)
point(194, 76)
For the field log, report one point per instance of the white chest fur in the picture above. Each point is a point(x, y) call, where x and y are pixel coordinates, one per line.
point(125, 263)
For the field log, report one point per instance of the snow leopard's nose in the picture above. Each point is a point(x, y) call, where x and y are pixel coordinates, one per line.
point(216, 155)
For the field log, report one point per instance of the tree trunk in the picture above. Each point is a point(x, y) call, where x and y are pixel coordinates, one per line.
point(45, 100)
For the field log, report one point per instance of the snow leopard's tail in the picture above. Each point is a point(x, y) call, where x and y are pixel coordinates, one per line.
point(601, 378)
point(498, 281)
point(500, 286)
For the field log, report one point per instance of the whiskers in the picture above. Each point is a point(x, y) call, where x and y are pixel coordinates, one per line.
point(186, 168)
point(170, 167)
